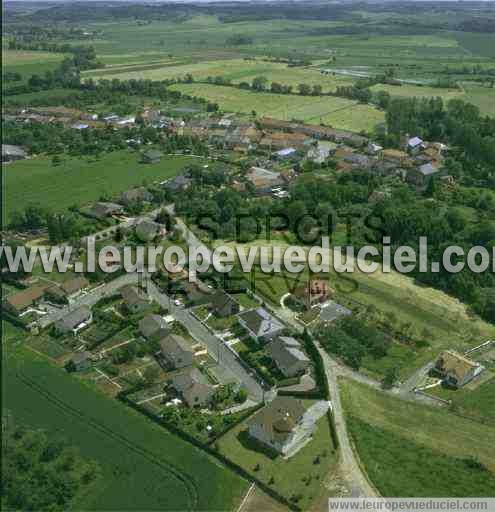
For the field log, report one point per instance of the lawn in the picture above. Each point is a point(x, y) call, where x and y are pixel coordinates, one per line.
point(420, 442)
point(79, 180)
point(290, 477)
point(144, 467)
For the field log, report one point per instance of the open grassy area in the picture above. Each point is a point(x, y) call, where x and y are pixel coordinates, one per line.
point(410, 91)
point(144, 467)
point(288, 477)
point(77, 180)
point(413, 450)
point(335, 111)
point(29, 62)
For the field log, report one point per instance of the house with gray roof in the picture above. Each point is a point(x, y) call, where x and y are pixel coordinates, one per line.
point(288, 356)
point(223, 304)
point(285, 425)
point(147, 230)
point(134, 299)
point(153, 326)
point(260, 324)
point(81, 361)
point(101, 210)
point(74, 321)
point(193, 387)
point(422, 175)
point(180, 182)
point(136, 195)
point(176, 351)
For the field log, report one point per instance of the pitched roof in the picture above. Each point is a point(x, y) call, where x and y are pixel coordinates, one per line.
point(456, 365)
point(74, 285)
point(279, 417)
point(221, 299)
point(414, 142)
point(74, 318)
point(428, 169)
point(286, 354)
point(10, 150)
point(131, 295)
point(173, 344)
point(152, 324)
point(260, 322)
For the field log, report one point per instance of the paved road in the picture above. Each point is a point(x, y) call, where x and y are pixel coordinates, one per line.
point(216, 347)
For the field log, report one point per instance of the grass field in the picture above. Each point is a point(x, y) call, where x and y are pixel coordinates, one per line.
point(78, 180)
point(144, 467)
point(286, 107)
point(413, 450)
point(409, 91)
point(27, 63)
point(290, 477)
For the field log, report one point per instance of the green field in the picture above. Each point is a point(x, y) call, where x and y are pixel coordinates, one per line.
point(287, 107)
point(27, 63)
point(144, 467)
point(409, 449)
point(290, 477)
point(409, 91)
point(77, 180)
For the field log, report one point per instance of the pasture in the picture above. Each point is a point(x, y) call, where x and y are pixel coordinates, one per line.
point(143, 466)
point(392, 435)
point(29, 62)
point(79, 180)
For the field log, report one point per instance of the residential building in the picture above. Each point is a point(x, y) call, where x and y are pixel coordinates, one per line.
point(422, 174)
point(147, 230)
point(68, 290)
point(74, 321)
point(284, 425)
point(153, 326)
point(223, 304)
point(180, 182)
point(136, 195)
point(263, 180)
point(287, 354)
point(321, 151)
point(101, 210)
point(456, 369)
point(285, 153)
point(152, 156)
point(260, 324)
point(134, 299)
point(176, 351)
point(193, 387)
point(414, 145)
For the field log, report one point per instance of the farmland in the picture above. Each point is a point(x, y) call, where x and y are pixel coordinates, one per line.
point(391, 436)
point(27, 63)
point(286, 107)
point(144, 467)
point(77, 181)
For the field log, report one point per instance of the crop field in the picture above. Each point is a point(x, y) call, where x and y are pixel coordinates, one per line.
point(283, 106)
point(358, 117)
point(144, 467)
point(77, 180)
point(236, 70)
point(409, 91)
point(27, 63)
point(482, 97)
point(391, 435)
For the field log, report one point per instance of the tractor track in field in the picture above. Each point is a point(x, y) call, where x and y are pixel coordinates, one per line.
point(149, 456)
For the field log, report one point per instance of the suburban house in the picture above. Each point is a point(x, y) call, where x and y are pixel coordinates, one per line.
point(101, 210)
point(193, 387)
point(260, 324)
point(321, 151)
point(284, 425)
point(414, 145)
point(69, 290)
point(11, 153)
point(74, 321)
point(176, 351)
point(81, 361)
point(153, 326)
point(19, 302)
point(314, 292)
point(147, 230)
point(456, 369)
point(152, 156)
point(136, 195)
point(263, 180)
point(285, 153)
point(223, 304)
point(180, 182)
point(287, 354)
point(134, 299)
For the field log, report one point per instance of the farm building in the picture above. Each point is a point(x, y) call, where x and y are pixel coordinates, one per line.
point(287, 354)
point(260, 324)
point(456, 369)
